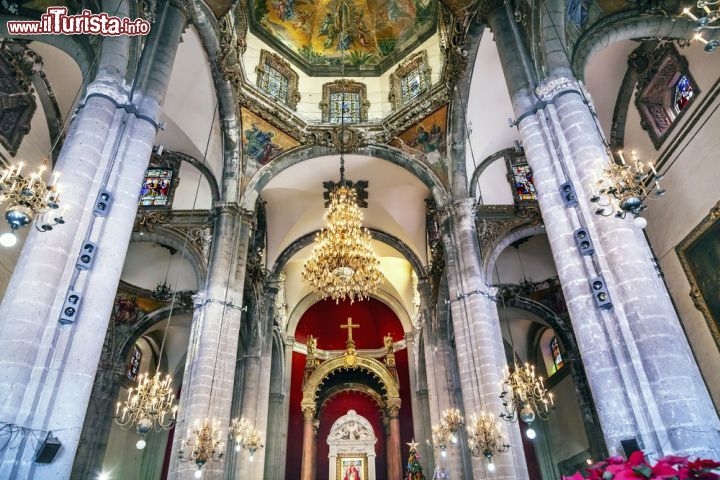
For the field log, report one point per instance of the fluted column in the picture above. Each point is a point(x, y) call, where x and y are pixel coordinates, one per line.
point(309, 462)
point(210, 367)
point(47, 369)
point(392, 447)
point(639, 366)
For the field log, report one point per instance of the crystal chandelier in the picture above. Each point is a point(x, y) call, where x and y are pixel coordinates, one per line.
point(525, 397)
point(245, 436)
point(151, 406)
point(622, 189)
point(485, 438)
point(343, 263)
point(204, 444)
point(710, 11)
point(26, 198)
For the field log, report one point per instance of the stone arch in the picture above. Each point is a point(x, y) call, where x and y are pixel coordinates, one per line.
point(503, 242)
point(485, 164)
point(204, 170)
point(370, 366)
point(382, 152)
point(170, 238)
point(626, 26)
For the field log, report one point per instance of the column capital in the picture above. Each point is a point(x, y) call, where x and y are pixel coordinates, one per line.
point(553, 86)
point(308, 412)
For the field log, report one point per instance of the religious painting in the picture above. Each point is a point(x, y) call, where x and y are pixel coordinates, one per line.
point(427, 139)
point(699, 254)
point(352, 467)
point(156, 189)
point(262, 141)
point(133, 369)
point(366, 35)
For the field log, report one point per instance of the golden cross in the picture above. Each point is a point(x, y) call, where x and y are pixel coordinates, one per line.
point(349, 327)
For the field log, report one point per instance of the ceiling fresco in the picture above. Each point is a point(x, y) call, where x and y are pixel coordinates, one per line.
point(370, 35)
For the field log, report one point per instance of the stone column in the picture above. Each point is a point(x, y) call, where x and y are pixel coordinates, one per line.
point(392, 447)
point(420, 417)
point(478, 341)
point(207, 388)
point(47, 369)
point(639, 366)
point(309, 462)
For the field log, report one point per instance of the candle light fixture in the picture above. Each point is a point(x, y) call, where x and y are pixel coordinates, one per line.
point(150, 406)
point(485, 438)
point(204, 443)
point(245, 436)
point(709, 11)
point(453, 420)
point(624, 188)
point(525, 397)
point(441, 437)
point(27, 198)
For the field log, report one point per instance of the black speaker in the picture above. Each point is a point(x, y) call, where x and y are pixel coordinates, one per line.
point(70, 307)
point(568, 194)
point(87, 255)
point(629, 446)
point(48, 449)
point(600, 293)
point(583, 242)
point(103, 203)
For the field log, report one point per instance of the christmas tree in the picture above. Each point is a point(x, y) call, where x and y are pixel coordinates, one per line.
point(414, 469)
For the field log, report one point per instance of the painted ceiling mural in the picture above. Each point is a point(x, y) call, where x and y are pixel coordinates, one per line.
point(371, 35)
point(262, 141)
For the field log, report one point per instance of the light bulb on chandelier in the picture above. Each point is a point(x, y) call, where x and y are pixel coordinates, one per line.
point(530, 433)
point(8, 239)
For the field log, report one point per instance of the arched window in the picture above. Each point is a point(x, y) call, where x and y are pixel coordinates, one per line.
point(133, 368)
point(344, 101)
point(556, 354)
point(410, 80)
point(277, 79)
point(665, 88)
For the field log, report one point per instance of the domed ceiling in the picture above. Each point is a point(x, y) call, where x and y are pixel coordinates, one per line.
point(371, 35)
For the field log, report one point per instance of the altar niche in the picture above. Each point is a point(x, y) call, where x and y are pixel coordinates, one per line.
point(352, 448)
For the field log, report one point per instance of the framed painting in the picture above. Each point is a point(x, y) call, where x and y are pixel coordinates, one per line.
point(352, 466)
point(699, 255)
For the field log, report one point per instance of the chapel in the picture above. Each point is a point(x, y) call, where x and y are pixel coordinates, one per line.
point(359, 239)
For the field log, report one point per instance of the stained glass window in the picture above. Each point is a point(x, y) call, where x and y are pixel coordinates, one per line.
point(683, 93)
point(274, 84)
point(413, 84)
point(556, 355)
point(155, 191)
point(345, 107)
point(133, 368)
point(524, 186)
point(577, 11)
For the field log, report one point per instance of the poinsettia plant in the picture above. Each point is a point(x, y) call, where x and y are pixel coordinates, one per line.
point(638, 468)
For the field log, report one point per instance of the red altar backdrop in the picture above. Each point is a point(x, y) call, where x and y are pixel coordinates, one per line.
point(323, 320)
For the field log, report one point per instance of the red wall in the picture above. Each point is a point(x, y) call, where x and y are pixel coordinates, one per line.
point(323, 320)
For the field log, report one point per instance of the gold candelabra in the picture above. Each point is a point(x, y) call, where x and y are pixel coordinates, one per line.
point(245, 436)
point(485, 438)
point(525, 397)
point(709, 12)
point(150, 406)
point(343, 263)
point(204, 444)
point(28, 197)
point(441, 437)
point(622, 189)
point(453, 421)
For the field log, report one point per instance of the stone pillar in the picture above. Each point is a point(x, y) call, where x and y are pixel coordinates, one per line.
point(47, 369)
point(421, 425)
point(478, 341)
point(392, 446)
point(639, 366)
point(309, 462)
point(207, 388)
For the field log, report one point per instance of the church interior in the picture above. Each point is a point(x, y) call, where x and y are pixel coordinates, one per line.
point(361, 240)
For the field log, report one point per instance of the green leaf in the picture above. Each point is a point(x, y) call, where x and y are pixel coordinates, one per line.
point(643, 470)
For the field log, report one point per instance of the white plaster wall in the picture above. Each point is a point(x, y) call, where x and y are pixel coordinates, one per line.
point(146, 264)
point(493, 186)
point(532, 257)
point(310, 88)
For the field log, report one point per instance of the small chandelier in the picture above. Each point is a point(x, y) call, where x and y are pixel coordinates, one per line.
point(622, 189)
point(453, 420)
point(710, 14)
point(26, 198)
point(485, 438)
point(525, 397)
point(441, 436)
point(151, 406)
point(245, 436)
point(343, 263)
point(204, 444)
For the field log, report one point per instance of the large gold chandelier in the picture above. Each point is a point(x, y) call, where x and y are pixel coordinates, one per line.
point(205, 445)
point(343, 263)
point(151, 406)
point(245, 436)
